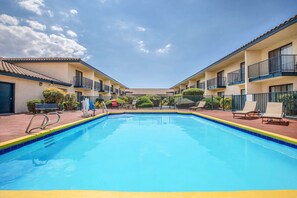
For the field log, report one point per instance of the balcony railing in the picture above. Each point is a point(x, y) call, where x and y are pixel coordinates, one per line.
point(215, 83)
point(97, 86)
point(284, 65)
point(82, 82)
point(236, 77)
point(192, 86)
point(201, 85)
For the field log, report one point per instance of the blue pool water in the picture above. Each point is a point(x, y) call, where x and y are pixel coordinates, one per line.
point(150, 152)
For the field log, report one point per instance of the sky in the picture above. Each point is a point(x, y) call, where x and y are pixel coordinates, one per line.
point(140, 43)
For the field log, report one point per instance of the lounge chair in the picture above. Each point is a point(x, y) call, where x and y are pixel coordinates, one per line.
point(274, 111)
point(248, 109)
point(200, 105)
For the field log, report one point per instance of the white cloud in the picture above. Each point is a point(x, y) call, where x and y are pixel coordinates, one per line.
point(24, 41)
point(73, 12)
point(36, 25)
point(71, 34)
point(50, 13)
point(56, 28)
point(9, 20)
point(141, 47)
point(164, 50)
point(140, 29)
point(32, 5)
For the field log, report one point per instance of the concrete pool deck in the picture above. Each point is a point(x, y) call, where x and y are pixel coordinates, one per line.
point(13, 126)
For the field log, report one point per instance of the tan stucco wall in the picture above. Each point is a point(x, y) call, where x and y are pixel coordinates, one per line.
point(26, 90)
point(54, 69)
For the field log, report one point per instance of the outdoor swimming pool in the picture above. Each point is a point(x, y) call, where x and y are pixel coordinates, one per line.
point(150, 152)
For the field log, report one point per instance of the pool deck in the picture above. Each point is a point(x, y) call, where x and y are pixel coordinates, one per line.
point(14, 125)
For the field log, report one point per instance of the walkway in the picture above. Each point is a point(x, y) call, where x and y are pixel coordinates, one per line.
point(13, 126)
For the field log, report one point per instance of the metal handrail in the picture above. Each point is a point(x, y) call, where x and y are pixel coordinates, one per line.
point(44, 123)
point(42, 126)
point(53, 113)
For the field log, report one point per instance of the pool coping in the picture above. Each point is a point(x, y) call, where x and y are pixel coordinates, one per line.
point(119, 194)
point(13, 144)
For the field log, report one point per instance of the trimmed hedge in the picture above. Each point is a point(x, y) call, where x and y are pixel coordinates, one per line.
point(31, 104)
point(193, 92)
point(53, 95)
point(143, 102)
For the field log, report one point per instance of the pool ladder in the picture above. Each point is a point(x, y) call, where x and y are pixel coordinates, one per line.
point(104, 109)
point(44, 123)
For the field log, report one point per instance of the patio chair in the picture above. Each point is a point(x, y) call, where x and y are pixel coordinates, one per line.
point(114, 104)
point(248, 109)
point(200, 104)
point(274, 111)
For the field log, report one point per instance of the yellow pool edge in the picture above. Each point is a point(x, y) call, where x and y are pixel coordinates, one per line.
point(107, 194)
point(29, 137)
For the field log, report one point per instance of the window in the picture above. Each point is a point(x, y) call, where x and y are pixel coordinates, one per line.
point(278, 61)
point(242, 71)
point(101, 85)
point(197, 83)
point(220, 78)
point(221, 93)
point(281, 88)
point(78, 96)
point(78, 78)
point(242, 92)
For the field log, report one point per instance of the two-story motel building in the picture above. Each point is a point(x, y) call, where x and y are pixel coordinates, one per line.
point(24, 79)
point(266, 64)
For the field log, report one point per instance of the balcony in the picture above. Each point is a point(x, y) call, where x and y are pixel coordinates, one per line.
point(192, 86)
point(216, 83)
point(97, 86)
point(284, 65)
point(201, 85)
point(82, 82)
point(236, 77)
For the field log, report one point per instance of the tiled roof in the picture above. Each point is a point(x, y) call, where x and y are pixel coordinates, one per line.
point(147, 91)
point(267, 34)
point(20, 72)
point(60, 59)
point(42, 59)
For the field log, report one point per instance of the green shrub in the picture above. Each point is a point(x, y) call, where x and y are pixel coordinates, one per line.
point(226, 103)
point(211, 103)
point(193, 92)
point(146, 105)
point(53, 95)
point(31, 104)
point(143, 99)
point(178, 95)
point(290, 103)
point(70, 101)
point(155, 100)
